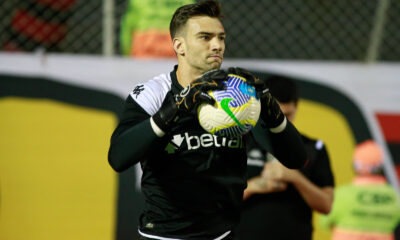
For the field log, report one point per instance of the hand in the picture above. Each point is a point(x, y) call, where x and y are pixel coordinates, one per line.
point(196, 92)
point(262, 185)
point(276, 171)
point(174, 106)
point(271, 113)
point(250, 78)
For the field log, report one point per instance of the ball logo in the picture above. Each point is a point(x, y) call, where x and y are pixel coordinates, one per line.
point(225, 107)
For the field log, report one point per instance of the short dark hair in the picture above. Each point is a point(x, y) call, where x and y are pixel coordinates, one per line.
point(284, 89)
point(209, 8)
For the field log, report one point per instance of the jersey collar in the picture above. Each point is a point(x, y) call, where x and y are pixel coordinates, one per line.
point(174, 79)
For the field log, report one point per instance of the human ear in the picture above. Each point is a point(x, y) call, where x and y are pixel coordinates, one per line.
point(179, 45)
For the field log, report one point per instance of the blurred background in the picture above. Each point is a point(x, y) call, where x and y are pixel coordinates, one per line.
point(313, 30)
point(66, 67)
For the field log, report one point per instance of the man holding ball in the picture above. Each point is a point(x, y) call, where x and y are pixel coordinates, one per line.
point(192, 192)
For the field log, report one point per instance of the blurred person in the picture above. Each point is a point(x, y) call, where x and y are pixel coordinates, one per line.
point(144, 28)
point(367, 208)
point(38, 24)
point(278, 202)
point(196, 190)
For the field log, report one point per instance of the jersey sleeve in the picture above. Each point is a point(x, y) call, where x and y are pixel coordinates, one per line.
point(132, 138)
point(289, 147)
point(322, 173)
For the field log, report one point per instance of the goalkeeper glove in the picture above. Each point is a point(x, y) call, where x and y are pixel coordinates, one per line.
point(271, 113)
point(175, 106)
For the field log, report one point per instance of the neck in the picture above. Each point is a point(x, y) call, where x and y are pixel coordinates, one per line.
point(186, 74)
point(369, 179)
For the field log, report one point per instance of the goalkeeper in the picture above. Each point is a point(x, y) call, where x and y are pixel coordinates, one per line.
point(192, 192)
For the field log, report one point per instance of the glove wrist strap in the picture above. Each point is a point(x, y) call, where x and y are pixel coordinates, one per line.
point(157, 130)
point(279, 128)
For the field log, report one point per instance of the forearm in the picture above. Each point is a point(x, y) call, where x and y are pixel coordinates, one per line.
point(288, 147)
point(319, 199)
point(129, 147)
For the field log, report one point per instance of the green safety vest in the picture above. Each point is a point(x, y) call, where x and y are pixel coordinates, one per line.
point(144, 15)
point(364, 208)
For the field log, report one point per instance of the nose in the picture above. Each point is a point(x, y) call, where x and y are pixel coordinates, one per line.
point(217, 44)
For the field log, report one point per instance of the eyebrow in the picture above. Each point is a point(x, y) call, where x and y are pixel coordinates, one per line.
point(209, 33)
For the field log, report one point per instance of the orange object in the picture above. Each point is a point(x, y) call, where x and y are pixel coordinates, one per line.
point(153, 43)
point(367, 158)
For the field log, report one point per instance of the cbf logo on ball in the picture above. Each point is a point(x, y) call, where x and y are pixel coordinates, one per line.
point(236, 109)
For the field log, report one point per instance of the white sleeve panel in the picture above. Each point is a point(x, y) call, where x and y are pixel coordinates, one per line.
point(150, 95)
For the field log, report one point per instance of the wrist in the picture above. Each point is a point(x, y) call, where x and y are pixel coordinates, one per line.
point(166, 117)
point(293, 176)
point(272, 114)
point(280, 127)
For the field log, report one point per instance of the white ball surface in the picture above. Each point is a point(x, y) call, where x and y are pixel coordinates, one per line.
point(235, 112)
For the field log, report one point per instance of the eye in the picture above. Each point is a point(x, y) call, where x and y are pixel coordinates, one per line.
point(205, 37)
point(221, 37)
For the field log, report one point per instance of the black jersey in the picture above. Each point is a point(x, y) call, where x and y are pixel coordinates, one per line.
point(283, 215)
point(192, 181)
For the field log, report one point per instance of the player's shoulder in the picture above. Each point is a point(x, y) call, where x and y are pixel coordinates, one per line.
point(317, 144)
point(158, 85)
point(150, 94)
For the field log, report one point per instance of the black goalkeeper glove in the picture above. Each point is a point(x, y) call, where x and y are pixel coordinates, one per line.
point(175, 106)
point(271, 113)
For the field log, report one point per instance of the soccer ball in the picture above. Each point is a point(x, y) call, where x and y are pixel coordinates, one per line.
point(236, 109)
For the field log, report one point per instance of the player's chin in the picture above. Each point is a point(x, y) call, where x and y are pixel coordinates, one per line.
point(215, 64)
